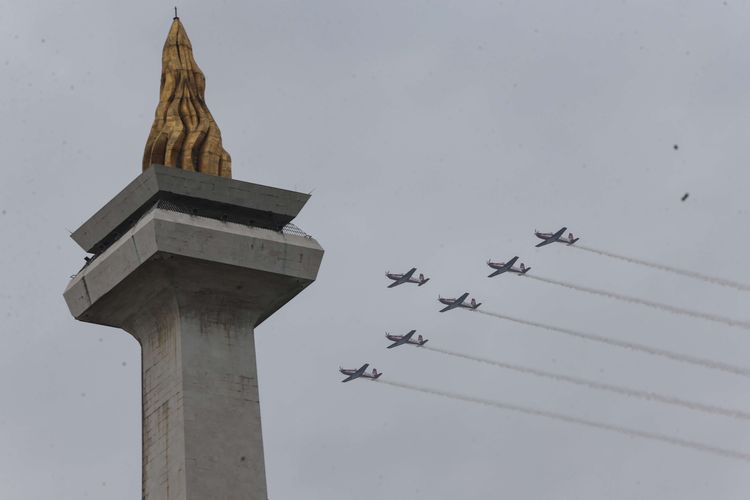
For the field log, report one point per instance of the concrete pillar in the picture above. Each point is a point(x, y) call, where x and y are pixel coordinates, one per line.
point(201, 412)
point(191, 289)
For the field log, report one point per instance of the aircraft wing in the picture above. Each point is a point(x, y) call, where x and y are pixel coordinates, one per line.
point(506, 267)
point(406, 338)
point(456, 303)
point(549, 240)
point(357, 374)
point(552, 238)
point(406, 277)
point(403, 279)
point(403, 340)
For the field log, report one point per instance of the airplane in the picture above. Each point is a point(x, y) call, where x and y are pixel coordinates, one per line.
point(405, 339)
point(553, 237)
point(359, 372)
point(399, 279)
point(459, 302)
point(503, 267)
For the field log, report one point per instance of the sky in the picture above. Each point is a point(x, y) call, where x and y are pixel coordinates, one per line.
point(432, 134)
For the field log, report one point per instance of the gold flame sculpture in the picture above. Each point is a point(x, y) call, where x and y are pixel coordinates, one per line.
point(184, 134)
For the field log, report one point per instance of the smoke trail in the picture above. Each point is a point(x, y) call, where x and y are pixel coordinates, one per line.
point(633, 393)
point(653, 436)
point(682, 358)
point(682, 272)
point(656, 305)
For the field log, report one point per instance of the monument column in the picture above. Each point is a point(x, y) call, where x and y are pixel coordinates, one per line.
point(189, 262)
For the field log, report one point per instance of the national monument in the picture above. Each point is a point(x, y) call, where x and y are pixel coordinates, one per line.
point(189, 261)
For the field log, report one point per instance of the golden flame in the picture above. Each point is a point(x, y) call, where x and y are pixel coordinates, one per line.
point(184, 134)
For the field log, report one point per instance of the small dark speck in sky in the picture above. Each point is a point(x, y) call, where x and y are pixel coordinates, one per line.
point(124, 363)
point(44, 41)
point(676, 147)
point(685, 196)
point(3, 212)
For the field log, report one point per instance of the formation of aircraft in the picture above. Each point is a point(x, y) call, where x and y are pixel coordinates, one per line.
point(553, 237)
point(400, 279)
point(405, 339)
point(507, 267)
point(353, 373)
point(459, 302)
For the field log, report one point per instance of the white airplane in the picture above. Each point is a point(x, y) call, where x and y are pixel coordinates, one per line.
point(459, 302)
point(400, 279)
point(507, 267)
point(553, 237)
point(405, 339)
point(359, 372)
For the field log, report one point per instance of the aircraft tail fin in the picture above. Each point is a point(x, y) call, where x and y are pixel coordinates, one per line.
point(422, 280)
point(376, 374)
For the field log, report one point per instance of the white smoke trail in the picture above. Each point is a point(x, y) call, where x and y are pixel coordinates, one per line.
point(682, 272)
point(682, 358)
point(657, 305)
point(653, 436)
point(625, 391)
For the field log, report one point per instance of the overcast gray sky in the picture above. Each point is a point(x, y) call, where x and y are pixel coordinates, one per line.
point(434, 134)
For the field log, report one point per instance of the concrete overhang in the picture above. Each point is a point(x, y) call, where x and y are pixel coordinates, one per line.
point(254, 204)
point(165, 251)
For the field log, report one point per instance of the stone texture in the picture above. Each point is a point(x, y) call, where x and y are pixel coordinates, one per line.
point(201, 412)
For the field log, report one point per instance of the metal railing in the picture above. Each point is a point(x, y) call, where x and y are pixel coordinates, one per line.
point(185, 209)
